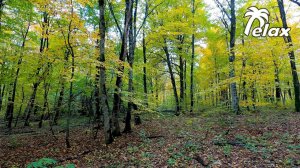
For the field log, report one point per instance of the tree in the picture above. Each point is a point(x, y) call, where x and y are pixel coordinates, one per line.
point(123, 54)
point(169, 63)
point(192, 60)
point(103, 93)
point(296, 2)
point(289, 42)
point(231, 16)
point(42, 70)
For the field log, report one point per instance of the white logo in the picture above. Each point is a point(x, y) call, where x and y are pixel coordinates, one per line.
point(262, 15)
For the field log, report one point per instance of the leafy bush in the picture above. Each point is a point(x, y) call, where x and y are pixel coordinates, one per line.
point(48, 162)
point(42, 163)
point(227, 150)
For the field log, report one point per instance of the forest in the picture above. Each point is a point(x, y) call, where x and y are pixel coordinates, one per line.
point(149, 83)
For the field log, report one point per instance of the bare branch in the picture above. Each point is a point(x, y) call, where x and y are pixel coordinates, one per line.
point(296, 2)
point(115, 19)
point(225, 24)
point(148, 14)
point(221, 7)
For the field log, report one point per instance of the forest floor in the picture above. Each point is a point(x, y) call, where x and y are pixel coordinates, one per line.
point(212, 140)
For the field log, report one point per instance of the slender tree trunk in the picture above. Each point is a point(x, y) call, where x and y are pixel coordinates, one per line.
point(97, 92)
point(21, 106)
point(156, 91)
point(1, 13)
point(277, 81)
point(289, 91)
point(131, 40)
point(30, 104)
point(12, 95)
point(2, 91)
point(59, 103)
point(181, 71)
point(185, 86)
point(289, 42)
point(123, 54)
point(70, 100)
point(192, 61)
point(44, 43)
point(71, 94)
point(253, 91)
point(244, 96)
point(166, 50)
point(233, 87)
point(145, 69)
point(45, 105)
point(9, 112)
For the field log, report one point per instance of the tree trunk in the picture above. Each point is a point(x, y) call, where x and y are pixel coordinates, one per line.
point(97, 91)
point(277, 81)
point(30, 104)
point(103, 93)
point(192, 61)
point(289, 42)
point(44, 43)
point(233, 88)
point(181, 71)
point(145, 69)
point(131, 40)
point(165, 47)
point(12, 94)
point(21, 106)
point(58, 107)
point(70, 100)
point(123, 54)
point(59, 103)
point(2, 91)
point(45, 105)
point(253, 91)
point(71, 94)
point(1, 12)
point(289, 91)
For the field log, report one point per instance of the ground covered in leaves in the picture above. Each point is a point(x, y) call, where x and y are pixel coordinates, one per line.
point(222, 140)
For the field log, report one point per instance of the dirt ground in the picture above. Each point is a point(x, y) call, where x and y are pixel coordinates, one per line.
point(253, 140)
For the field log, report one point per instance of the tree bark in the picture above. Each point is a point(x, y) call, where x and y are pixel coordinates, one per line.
point(103, 93)
point(12, 93)
point(192, 61)
point(169, 63)
point(123, 54)
point(2, 91)
point(288, 41)
point(59, 103)
point(145, 69)
point(131, 40)
point(21, 106)
point(181, 71)
point(44, 43)
point(233, 88)
point(45, 105)
point(30, 104)
point(277, 81)
point(70, 51)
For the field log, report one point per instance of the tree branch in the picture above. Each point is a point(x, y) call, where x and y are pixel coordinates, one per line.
point(221, 7)
point(296, 2)
point(115, 19)
point(148, 14)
